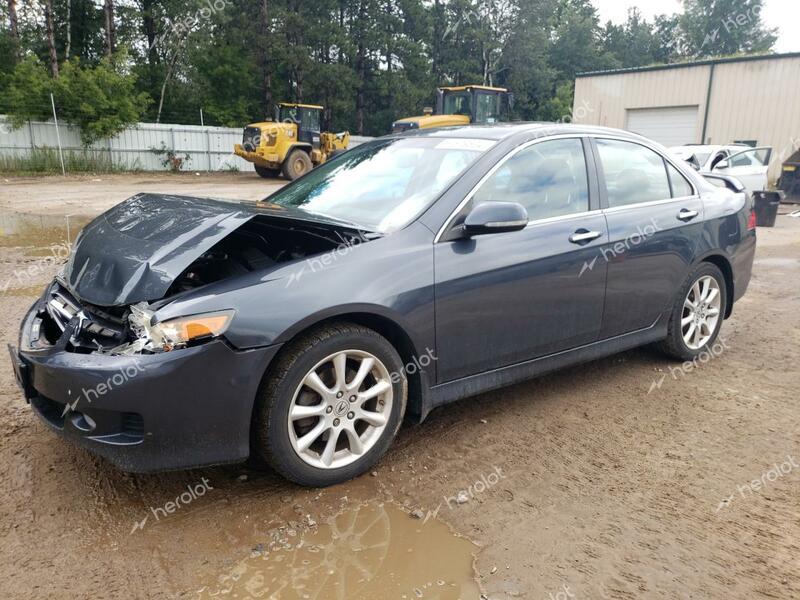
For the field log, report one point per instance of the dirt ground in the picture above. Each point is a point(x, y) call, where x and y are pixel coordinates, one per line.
point(629, 477)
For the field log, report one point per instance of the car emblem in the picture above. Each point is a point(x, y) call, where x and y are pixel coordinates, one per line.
point(341, 407)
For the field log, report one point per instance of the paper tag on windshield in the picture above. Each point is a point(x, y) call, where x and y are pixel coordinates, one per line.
point(465, 144)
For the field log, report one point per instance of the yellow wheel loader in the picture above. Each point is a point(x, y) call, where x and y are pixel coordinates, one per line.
point(462, 105)
point(291, 143)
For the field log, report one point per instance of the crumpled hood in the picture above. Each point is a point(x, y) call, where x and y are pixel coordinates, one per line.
point(136, 250)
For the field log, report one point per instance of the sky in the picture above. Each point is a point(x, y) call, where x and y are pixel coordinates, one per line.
point(781, 14)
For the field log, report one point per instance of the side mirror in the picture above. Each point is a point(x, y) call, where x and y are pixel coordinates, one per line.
point(495, 217)
point(723, 164)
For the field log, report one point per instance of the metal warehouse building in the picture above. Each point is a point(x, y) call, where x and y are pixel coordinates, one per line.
point(752, 99)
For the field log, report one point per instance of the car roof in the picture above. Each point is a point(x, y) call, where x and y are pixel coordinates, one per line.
point(504, 131)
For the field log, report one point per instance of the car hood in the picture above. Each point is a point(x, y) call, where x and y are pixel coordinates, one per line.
point(135, 251)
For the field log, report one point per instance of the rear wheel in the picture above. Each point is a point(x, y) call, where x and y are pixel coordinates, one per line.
point(698, 313)
point(297, 164)
point(268, 173)
point(331, 406)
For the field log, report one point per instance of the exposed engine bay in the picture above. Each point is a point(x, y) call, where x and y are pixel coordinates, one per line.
point(258, 245)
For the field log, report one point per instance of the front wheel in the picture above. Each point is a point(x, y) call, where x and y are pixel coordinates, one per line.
point(331, 406)
point(297, 164)
point(698, 313)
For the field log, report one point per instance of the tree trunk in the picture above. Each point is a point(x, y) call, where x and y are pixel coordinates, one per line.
point(68, 44)
point(168, 76)
point(149, 27)
point(13, 22)
point(51, 37)
point(437, 39)
point(111, 28)
point(361, 67)
point(266, 66)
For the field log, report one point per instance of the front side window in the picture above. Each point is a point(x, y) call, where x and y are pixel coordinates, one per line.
point(634, 173)
point(758, 157)
point(382, 185)
point(549, 179)
point(310, 119)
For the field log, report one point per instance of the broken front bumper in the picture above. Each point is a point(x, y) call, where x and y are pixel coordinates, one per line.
point(179, 409)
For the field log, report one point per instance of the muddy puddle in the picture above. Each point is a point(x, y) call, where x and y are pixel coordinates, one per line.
point(42, 234)
point(373, 551)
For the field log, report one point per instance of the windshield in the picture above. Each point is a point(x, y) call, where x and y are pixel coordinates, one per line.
point(458, 103)
point(382, 185)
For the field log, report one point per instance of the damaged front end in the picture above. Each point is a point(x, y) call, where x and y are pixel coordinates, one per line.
point(152, 337)
point(151, 250)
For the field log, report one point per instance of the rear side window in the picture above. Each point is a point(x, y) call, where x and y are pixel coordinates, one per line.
point(549, 179)
point(634, 174)
point(680, 186)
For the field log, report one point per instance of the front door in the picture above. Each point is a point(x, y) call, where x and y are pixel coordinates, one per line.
point(751, 167)
point(505, 298)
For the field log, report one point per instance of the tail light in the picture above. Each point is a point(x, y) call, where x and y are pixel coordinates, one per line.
point(751, 222)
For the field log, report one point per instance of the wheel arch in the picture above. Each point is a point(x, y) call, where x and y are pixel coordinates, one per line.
point(396, 334)
point(723, 264)
point(299, 146)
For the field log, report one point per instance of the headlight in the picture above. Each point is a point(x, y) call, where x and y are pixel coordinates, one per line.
point(189, 329)
point(175, 333)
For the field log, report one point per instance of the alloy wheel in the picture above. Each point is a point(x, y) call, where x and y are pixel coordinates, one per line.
point(701, 312)
point(340, 409)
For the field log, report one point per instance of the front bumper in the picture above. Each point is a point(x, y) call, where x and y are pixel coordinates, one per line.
point(181, 409)
point(261, 156)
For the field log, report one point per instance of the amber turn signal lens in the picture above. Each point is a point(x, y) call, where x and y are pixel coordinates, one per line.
point(186, 329)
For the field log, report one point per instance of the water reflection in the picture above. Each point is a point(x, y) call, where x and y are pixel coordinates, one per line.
point(374, 551)
point(38, 231)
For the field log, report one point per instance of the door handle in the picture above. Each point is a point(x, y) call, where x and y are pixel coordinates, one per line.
point(583, 236)
point(687, 215)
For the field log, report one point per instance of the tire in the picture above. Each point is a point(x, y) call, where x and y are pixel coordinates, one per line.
point(297, 164)
point(268, 173)
point(675, 344)
point(284, 391)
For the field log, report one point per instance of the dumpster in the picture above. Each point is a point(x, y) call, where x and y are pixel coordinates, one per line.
point(790, 178)
point(767, 204)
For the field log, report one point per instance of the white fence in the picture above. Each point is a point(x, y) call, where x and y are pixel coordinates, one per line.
point(209, 148)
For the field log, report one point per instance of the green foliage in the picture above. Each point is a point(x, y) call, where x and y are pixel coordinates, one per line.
point(368, 62)
point(100, 100)
point(25, 93)
point(725, 27)
point(559, 107)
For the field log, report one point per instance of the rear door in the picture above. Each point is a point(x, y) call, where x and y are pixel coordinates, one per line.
point(751, 167)
point(654, 217)
point(506, 298)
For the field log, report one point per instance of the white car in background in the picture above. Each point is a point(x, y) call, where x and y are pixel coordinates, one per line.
point(747, 164)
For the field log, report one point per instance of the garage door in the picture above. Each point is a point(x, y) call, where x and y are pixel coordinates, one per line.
point(673, 126)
